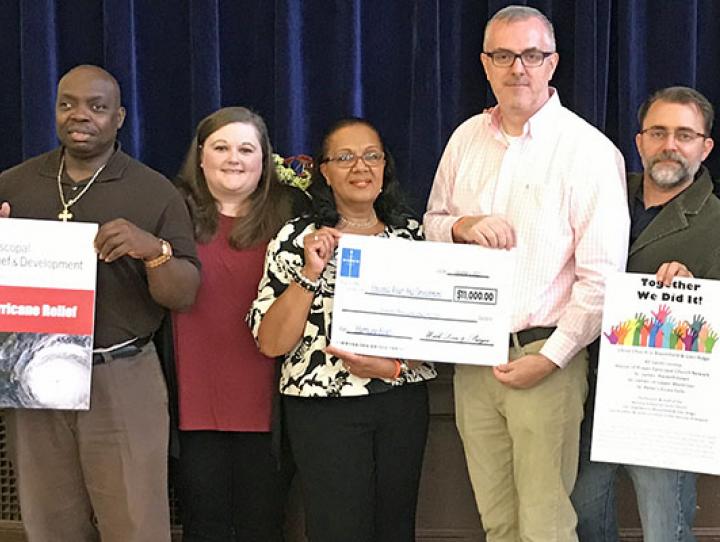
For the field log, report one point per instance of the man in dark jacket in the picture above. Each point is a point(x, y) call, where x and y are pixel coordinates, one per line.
point(674, 219)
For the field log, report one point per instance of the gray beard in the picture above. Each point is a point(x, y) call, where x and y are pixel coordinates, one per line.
point(670, 176)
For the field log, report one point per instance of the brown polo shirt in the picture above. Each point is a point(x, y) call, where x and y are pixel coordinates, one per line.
point(126, 189)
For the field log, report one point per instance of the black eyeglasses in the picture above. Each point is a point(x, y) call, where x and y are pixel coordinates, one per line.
point(347, 159)
point(681, 135)
point(532, 58)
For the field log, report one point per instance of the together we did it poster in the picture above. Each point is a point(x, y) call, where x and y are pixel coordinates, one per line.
point(658, 389)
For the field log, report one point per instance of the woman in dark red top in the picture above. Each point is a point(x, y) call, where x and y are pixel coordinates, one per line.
point(230, 486)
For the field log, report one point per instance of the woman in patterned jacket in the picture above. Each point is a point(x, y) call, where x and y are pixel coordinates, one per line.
point(357, 424)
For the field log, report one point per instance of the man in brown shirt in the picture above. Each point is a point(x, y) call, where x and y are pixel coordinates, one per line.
point(102, 474)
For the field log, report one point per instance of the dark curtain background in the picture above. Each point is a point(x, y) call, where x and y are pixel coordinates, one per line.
point(410, 66)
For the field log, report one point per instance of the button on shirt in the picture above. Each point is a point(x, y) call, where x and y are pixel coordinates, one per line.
point(561, 186)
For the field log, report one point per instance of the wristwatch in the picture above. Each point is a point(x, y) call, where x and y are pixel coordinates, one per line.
point(166, 254)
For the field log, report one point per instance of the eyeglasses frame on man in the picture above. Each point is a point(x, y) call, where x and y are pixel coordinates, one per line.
point(682, 135)
point(515, 56)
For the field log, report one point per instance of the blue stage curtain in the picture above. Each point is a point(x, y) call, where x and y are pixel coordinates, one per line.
point(410, 66)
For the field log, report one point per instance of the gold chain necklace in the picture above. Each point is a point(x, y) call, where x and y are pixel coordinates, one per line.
point(365, 225)
point(65, 214)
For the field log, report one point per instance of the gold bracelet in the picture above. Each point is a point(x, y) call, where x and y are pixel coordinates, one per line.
point(163, 258)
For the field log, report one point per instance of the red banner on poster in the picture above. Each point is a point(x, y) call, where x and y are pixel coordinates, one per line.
point(46, 310)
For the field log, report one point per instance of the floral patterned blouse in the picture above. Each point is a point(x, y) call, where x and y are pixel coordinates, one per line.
point(307, 371)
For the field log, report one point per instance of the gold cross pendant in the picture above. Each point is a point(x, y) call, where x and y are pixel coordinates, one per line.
point(65, 215)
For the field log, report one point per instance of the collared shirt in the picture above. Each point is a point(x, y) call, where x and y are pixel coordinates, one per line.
point(640, 217)
point(126, 188)
point(561, 186)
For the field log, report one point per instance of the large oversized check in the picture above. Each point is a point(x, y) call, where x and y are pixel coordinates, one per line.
point(658, 400)
point(422, 300)
point(47, 312)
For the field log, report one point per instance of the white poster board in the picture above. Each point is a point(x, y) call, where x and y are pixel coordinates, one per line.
point(658, 394)
point(47, 312)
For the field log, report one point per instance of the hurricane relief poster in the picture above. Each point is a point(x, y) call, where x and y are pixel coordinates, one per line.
point(658, 389)
point(47, 311)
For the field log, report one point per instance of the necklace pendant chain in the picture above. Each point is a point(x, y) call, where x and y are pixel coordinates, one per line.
point(364, 225)
point(65, 214)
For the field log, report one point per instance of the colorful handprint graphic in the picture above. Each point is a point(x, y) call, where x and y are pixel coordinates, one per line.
point(664, 331)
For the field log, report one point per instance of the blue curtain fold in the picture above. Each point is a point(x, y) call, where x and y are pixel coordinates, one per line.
point(205, 92)
point(38, 47)
point(411, 66)
point(122, 54)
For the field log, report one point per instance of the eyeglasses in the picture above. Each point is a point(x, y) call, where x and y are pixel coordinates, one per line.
point(680, 135)
point(531, 58)
point(347, 159)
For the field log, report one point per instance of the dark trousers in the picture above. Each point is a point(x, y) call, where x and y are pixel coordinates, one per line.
point(359, 461)
point(230, 487)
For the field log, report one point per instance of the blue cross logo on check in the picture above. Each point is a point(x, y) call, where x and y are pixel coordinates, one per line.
point(350, 262)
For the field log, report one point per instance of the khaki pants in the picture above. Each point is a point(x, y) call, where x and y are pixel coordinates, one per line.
point(522, 449)
point(108, 463)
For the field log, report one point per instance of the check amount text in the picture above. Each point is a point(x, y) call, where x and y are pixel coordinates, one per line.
point(466, 294)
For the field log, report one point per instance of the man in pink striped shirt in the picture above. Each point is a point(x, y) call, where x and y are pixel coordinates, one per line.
point(531, 176)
